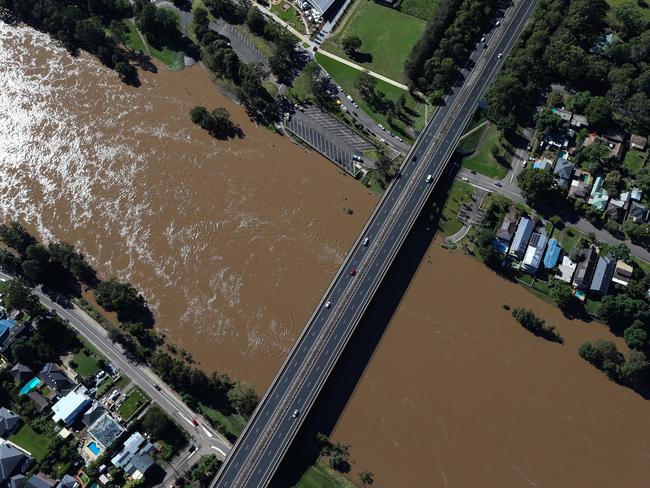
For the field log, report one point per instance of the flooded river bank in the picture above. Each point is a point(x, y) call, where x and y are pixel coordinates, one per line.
point(231, 242)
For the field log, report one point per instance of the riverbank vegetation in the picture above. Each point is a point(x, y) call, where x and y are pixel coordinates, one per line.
point(218, 122)
point(65, 274)
point(529, 321)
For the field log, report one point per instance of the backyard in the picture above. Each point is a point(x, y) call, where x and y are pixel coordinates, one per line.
point(85, 363)
point(387, 37)
point(345, 76)
point(635, 160)
point(36, 444)
point(482, 160)
point(133, 403)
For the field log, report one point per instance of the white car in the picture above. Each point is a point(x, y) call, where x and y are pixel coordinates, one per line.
point(295, 413)
point(382, 140)
point(366, 241)
point(328, 304)
point(429, 178)
point(381, 127)
point(499, 55)
point(465, 178)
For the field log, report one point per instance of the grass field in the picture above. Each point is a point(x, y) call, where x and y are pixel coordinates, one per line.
point(290, 16)
point(86, 364)
point(234, 424)
point(570, 238)
point(345, 76)
point(29, 440)
point(635, 160)
point(424, 9)
point(645, 10)
point(387, 37)
point(470, 143)
point(459, 193)
point(135, 400)
point(482, 161)
point(321, 476)
point(172, 59)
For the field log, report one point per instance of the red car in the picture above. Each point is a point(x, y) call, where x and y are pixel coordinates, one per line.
point(195, 422)
point(353, 271)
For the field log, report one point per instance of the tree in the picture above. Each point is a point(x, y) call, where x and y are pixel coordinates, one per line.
point(620, 310)
point(18, 296)
point(156, 422)
point(340, 462)
point(537, 185)
point(366, 478)
point(16, 236)
point(118, 31)
point(562, 294)
point(620, 251)
point(579, 101)
point(123, 299)
point(599, 113)
point(613, 183)
point(366, 85)
point(547, 121)
point(636, 336)
point(635, 371)
point(603, 355)
point(351, 45)
point(534, 324)
point(255, 21)
point(242, 396)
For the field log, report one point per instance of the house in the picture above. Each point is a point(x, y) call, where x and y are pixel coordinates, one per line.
point(522, 236)
point(9, 422)
point(507, 229)
point(21, 373)
point(9, 331)
point(636, 194)
point(617, 207)
point(579, 121)
point(614, 135)
point(93, 413)
point(13, 461)
point(56, 379)
point(598, 197)
point(17, 481)
point(68, 408)
point(39, 481)
point(563, 113)
point(39, 400)
point(585, 268)
point(602, 275)
point(580, 185)
point(135, 457)
point(534, 253)
point(638, 142)
point(563, 171)
point(566, 269)
point(543, 164)
point(68, 482)
point(105, 430)
point(616, 150)
point(622, 273)
point(638, 214)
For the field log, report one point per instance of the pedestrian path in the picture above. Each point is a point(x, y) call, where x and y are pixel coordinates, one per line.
point(361, 68)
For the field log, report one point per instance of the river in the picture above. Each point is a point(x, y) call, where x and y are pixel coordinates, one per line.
point(232, 243)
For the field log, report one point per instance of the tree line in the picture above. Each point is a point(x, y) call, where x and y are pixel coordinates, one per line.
point(78, 25)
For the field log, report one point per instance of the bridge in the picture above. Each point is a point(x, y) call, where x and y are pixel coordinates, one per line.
point(261, 447)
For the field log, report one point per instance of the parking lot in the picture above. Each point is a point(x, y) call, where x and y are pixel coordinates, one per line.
point(328, 136)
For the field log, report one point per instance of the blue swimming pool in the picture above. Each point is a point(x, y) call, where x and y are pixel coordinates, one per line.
point(30, 385)
point(94, 448)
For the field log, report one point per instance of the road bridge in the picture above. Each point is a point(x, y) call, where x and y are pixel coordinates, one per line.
point(280, 413)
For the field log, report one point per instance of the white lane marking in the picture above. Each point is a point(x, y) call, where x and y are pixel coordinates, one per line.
point(218, 450)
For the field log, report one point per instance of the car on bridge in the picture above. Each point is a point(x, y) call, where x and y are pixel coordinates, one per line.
point(353, 271)
point(429, 178)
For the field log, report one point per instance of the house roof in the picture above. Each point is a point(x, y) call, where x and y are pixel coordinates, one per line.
point(598, 196)
point(68, 482)
point(614, 135)
point(141, 463)
point(585, 269)
point(17, 481)
point(534, 252)
point(6, 326)
point(638, 213)
point(105, 430)
point(552, 254)
point(522, 236)
point(39, 400)
point(602, 275)
point(20, 372)
point(636, 194)
point(55, 378)
point(8, 421)
point(638, 141)
point(543, 164)
point(563, 169)
point(579, 121)
point(93, 413)
point(508, 226)
point(322, 5)
point(39, 481)
point(70, 406)
point(622, 273)
point(566, 269)
point(10, 460)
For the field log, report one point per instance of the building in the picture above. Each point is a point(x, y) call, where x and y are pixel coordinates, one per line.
point(134, 458)
point(552, 254)
point(617, 207)
point(508, 226)
point(543, 164)
point(9, 422)
point(534, 253)
point(584, 272)
point(522, 236)
point(598, 197)
point(563, 171)
point(105, 430)
point(602, 275)
point(622, 273)
point(13, 461)
point(40, 402)
point(9, 331)
point(579, 121)
point(322, 6)
point(566, 269)
point(68, 408)
point(636, 194)
point(638, 142)
point(563, 113)
point(638, 214)
point(68, 482)
point(56, 379)
point(21, 373)
point(93, 414)
point(39, 481)
point(580, 185)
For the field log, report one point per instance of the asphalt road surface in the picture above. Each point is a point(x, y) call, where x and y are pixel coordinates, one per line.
point(261, 447)
point(202, 436)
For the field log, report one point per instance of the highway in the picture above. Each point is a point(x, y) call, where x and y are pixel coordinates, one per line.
point(259, 450)
point(203, 438)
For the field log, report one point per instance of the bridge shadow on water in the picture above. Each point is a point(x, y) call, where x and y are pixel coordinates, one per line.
point(353, 362)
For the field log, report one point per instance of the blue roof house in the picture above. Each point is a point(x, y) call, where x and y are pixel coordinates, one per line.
point(552, 254)
point(6, 326)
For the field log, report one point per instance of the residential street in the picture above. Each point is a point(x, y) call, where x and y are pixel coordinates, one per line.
point(205, 440)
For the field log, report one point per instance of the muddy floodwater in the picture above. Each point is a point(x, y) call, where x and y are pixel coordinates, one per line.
point(459, 395)
point(231, 242)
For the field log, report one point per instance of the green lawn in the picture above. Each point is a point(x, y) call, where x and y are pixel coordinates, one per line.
point(468, 144)
point(483, 161)
point(424, 9)
point(345, 76)
point(635, 160)
point(322, 476)
point(570, 238)
point(644, 265)
point(122, 382)
point(103, 388)
point(135, 400)
point(387, 37)
point(645, 9)
point(233, 424)
point(459, 193)
point(133, 39)
point(290, 16)
point(86, 364)
point(300, 88)
point(172, 59)
point(36, 444)
point(271, 87)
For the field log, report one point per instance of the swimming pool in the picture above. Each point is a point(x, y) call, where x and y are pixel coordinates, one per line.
point(564, 154)
point(30, 385)
point(94, 448)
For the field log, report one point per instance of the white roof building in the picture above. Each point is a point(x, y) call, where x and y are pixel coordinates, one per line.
point(72, 405)
point(534, 253)
point(566, 269)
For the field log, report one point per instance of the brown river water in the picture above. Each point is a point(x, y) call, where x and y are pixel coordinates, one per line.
point(233, 243)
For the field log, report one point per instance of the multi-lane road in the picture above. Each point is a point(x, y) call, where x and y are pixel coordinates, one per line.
point(261, 447)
